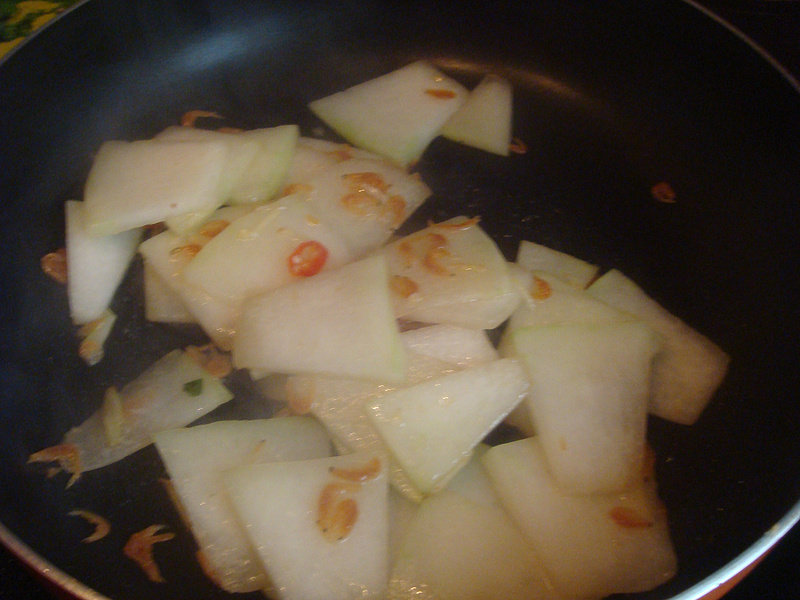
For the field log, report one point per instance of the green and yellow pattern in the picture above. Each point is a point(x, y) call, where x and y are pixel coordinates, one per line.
point(20, 18)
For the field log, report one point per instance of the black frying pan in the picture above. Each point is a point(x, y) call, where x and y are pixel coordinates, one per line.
point(610, 98)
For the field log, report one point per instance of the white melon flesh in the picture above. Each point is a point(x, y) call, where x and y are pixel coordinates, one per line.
point(161, 303)
point(95, 265)
point(536, 257)
point(401, 515)
point(451, 273)
point(395, 115)
point(339, 404)
point(241, 151)
point(588, 399)
point(339, 322)
point(336, 150)
point(264, 176)
point(472, 483)
point(431, 426)
point(365, 200)
point(216, 316)
point(591, 545)
point(689, 368)
point(484, 120)
point(455, 345)
point(196, 459)
point(308, 162)
point(173, 392)
point(456, 549)
point(138, 183)
point(551, 301)
point(252, 255)
point(283, 510)
point(314, 155)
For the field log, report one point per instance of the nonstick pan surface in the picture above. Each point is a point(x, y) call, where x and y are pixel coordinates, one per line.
point(610, 99)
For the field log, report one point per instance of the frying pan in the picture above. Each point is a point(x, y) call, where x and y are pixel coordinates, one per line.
point(610, 99)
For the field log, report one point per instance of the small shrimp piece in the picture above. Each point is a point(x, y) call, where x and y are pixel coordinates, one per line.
point(101, 525)
point(190, 118)
point(540, 289)
point(365, 473)
point(67, 455)
point(211, 359)
point(441, 94)
point(337, 511)
point(460, 225)
point(403, 286)
point(517, 146)
point(663, 192)
point(629, 518)
point(54, 265)
point(139, 548)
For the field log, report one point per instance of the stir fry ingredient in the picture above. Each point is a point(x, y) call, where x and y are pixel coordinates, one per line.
point(67, 456)
point(101, 525)
point(139, 548)
point(283, 250)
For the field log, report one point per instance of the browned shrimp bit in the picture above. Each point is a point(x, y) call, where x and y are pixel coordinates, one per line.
point(517, 146)
point(54, 265)
point(190, 118)
point(211, 358)
point(337, 510)
point(403, 286)
point(663, 192)
point(627, 517)
point(540, 289)
point(68, 458)
point(139, 548)
point(365, 473)
point(363, 198)
point(101, 525)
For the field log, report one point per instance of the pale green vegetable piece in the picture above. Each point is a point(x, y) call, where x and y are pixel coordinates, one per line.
point(338, 322)
point(95, 264)
point(299, 517)
point(395, 115)
point(588, 399)
point(161, 303)
point(432, 426)
point(591, 545)
point(196, 459)
point(458, 549)
point(484, 120)
point(264, 176)
point(168, 254)
point(690, 367)
point(252, 255)
point(241, 150)
point(455, 345)
point(147, 181)
point(155, 400)
point(451, 273)
point(573, 270)
point(365, 200)
point(339, 402)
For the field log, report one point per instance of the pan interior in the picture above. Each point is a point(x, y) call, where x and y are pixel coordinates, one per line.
point(609, 100)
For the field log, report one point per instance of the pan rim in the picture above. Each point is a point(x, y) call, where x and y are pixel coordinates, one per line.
point(52, 574)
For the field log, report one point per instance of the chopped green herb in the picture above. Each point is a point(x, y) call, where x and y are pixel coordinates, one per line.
point(194, 387)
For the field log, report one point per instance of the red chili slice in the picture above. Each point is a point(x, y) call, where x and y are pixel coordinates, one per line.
point(308, 259)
